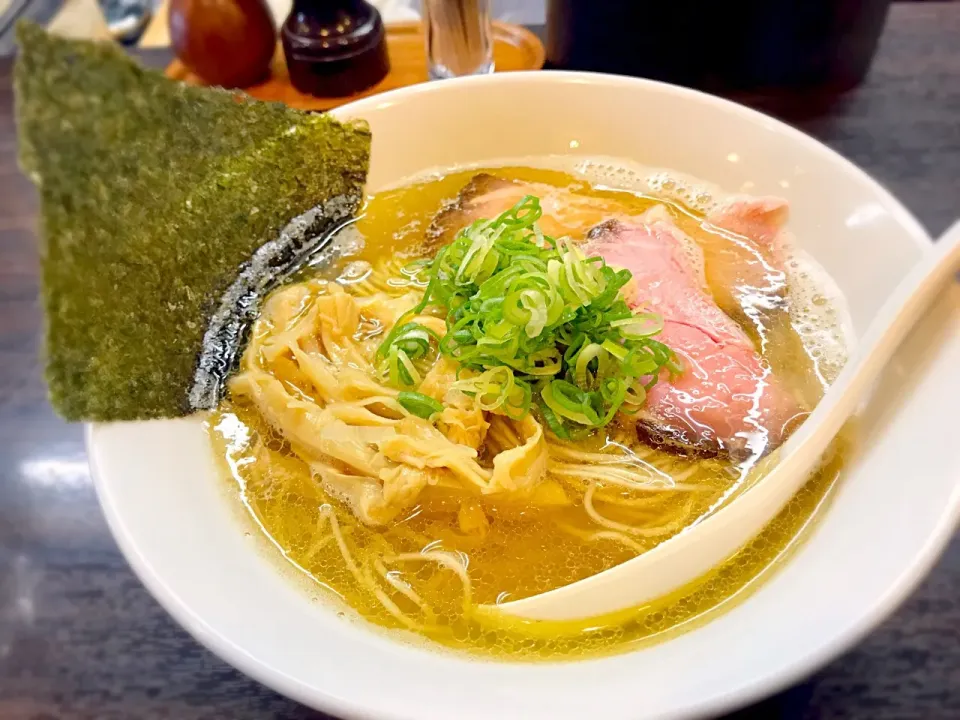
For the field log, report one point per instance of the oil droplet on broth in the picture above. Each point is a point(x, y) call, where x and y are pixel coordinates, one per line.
point(525, 553)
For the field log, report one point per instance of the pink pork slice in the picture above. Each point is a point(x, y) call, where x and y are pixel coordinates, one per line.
point(726, 402)
point(486, 196)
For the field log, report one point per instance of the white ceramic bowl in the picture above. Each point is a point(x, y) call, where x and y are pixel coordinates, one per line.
point(896, 508)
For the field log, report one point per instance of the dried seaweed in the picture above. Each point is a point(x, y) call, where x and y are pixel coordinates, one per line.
point(154, 195)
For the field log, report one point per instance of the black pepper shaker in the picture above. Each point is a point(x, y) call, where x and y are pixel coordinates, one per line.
point(334, 48)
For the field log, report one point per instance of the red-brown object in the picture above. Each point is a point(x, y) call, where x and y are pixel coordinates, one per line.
point(225, 42)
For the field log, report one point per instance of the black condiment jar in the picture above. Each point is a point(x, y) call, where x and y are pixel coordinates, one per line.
point(334, 48)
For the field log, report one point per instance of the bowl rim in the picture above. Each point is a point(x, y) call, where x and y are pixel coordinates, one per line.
point(757, 687)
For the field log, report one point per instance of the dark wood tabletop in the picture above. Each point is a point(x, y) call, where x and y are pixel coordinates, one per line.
point(81, 638)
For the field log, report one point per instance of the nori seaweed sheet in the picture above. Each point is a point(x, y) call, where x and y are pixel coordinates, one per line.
point(153, 196)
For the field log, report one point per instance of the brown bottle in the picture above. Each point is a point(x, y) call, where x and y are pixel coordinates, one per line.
point(226, 42)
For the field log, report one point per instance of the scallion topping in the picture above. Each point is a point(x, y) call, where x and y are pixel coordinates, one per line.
point(419, 404)
point(533, 324)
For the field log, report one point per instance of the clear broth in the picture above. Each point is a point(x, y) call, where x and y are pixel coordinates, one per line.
point(528, 549)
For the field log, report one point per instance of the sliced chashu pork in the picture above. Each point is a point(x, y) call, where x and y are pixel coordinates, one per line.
point(486, 196)
point(744, 272)
point(727, 401)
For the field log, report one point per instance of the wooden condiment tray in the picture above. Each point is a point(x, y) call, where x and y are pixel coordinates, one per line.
point(515, 48)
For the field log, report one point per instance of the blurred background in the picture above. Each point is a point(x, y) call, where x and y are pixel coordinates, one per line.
point(721, 47)
point(144, 22)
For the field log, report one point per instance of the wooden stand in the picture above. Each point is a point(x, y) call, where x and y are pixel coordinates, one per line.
point(515, 48)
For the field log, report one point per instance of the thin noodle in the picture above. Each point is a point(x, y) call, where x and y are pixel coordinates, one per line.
point(364, 579)
point(401, 586)
point(622, 527)
point(641, 502)
point(317, 546)
point(391, 607)
point(611, 535)
point(447, 560)
point(327, 511)
point(615, 476)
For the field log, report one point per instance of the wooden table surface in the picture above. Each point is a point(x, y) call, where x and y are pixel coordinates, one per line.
point(81, 638)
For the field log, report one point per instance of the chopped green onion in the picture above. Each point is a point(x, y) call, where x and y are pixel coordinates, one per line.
point(635, 396)
point(618, 351)
point(556, 427)
point(400, 370)
point(414, 339)
point(570, 402)
point(419, 404)
point(640, 325)
point(534, 324)
point(581, 371)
